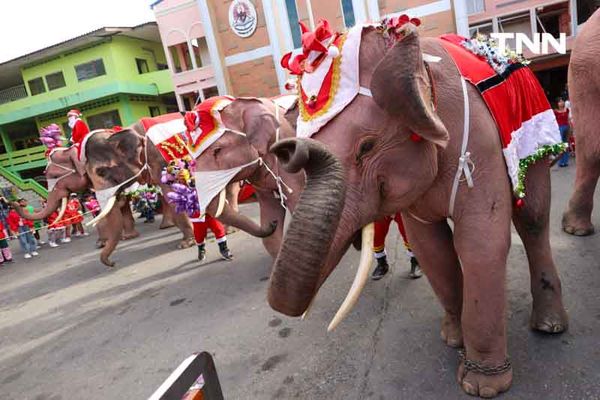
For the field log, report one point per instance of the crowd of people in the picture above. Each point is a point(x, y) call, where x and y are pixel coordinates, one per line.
point(13, 226)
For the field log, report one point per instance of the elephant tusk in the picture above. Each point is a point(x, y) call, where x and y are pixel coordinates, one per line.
point(109, 205)
point(362, 275)
point(307, 312)
point(61, 213)
point(221, 205)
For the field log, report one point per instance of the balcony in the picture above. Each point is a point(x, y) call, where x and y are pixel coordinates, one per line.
point(13, 94)
point(19, 160)
point(204, 76)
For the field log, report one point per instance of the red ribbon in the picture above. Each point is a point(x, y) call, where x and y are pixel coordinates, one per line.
point(311, 41)
point(191, 120)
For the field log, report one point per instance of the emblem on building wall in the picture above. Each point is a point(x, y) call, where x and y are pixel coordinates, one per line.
point(242, 17)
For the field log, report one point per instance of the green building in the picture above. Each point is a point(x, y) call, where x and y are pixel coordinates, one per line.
point(114, 76)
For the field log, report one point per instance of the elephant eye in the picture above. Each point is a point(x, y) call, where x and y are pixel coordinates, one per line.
point(216, 151)
point(365, 147)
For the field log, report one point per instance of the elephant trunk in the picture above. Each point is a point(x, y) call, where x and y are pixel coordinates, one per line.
point(55, 198)
point(229, 216)
point(298, 267)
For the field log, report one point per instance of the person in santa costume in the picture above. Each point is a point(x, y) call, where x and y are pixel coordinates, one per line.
point(381, 230)
point(201, 227)
point(79, 129)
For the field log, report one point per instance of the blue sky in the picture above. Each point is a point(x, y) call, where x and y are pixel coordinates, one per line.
point(30, 25)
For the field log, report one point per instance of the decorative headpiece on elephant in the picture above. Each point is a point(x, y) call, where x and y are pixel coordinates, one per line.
point(584, 92)
point(392, 132)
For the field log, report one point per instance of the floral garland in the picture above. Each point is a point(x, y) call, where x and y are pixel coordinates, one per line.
point(144, 198)
point(178, 174)
point(487, 48)
point(525, 163)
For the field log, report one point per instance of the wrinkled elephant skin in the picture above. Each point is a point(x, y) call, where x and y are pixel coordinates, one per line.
point(383, 171)
point(584, 92)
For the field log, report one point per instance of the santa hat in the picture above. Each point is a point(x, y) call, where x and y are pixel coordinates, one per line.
point(74, 113)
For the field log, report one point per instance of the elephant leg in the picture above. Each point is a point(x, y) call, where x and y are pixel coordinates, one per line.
point(270, 211)
point(433, 247)
point(482, 241)
point(167, 214)
point(533, 225)
point(185, 226)
point(114, 227)
point(102, 234)
point(577, 219)
point(129, 231)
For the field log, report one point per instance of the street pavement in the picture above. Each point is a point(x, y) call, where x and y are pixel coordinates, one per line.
point(72, 329)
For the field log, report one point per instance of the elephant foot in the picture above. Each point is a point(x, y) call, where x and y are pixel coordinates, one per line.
point(106, 261)
point(549, 318)
point(483, 385)
point(578, 226)
point(451, 332)
point(186, 243)
point(166, 224)
point(131, 235)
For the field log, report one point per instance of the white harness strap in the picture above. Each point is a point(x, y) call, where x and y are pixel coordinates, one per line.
point(280, 183)
point(465, 165)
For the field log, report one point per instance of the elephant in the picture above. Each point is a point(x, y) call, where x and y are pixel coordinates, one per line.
point(584, 91)
point(257, 118)
point(397, 148)
point(67, 175)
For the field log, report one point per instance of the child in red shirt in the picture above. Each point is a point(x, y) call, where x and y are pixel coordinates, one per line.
point(24, 230)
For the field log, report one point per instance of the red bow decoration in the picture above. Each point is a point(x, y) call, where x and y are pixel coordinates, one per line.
point(394, 25)
point(191, 120)
point(311, 42)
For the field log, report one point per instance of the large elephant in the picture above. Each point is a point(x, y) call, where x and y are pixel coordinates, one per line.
point(65, 175)
point(369, 162)
point(584, 91)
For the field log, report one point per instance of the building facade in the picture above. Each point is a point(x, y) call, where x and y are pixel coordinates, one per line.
point(114, 76)
point(531, 17)
point(207, 57)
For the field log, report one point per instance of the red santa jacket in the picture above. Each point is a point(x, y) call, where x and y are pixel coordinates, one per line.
point(80, 130)
point(14, 221)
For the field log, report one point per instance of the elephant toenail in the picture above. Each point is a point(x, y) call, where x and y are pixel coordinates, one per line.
point(487, 392)
point(469, 389)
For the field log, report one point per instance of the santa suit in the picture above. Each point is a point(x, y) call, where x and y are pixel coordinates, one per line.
point(381, 230)
point(201, 227)
point(72, 214)
point(78, 133)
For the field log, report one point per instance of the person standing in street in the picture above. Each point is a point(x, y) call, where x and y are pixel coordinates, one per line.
point(23, 228)
point(563, 118)
point(5, 253)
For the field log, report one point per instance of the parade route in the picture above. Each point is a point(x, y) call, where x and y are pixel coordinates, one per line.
point(72, 329)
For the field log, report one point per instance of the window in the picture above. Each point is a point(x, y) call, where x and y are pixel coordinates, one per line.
point(517, 23)
point(142, 65)
point(484, 28)
point(475, 6)
point(36, 86)
point(201, 52)
point(154, 111)
point(90, 70)
point(349, 20)
point(292, 12)
point(181, 57)
point(104, 120)
point(554, 19)
point(210, 92)
point(55, 80)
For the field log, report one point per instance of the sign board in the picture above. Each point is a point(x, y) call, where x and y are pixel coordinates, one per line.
point(242, 18)
point(194, 379)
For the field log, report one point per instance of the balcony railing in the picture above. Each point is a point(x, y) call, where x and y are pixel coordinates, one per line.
point(12, 94)
point(15, 159)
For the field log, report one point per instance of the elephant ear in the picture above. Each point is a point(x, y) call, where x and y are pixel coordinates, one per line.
point(400, 85)
point(292, 113)
point(259, 124)
point(128, 145)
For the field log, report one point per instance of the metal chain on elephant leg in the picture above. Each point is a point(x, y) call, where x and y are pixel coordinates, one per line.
point(477, 367)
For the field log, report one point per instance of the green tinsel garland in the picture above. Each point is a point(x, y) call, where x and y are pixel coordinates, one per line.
point(525, 163)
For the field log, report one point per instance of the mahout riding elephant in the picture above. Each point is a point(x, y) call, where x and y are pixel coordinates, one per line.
point(65, 175)
point(584, 93)
point(397, 145)
point(127, 155)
